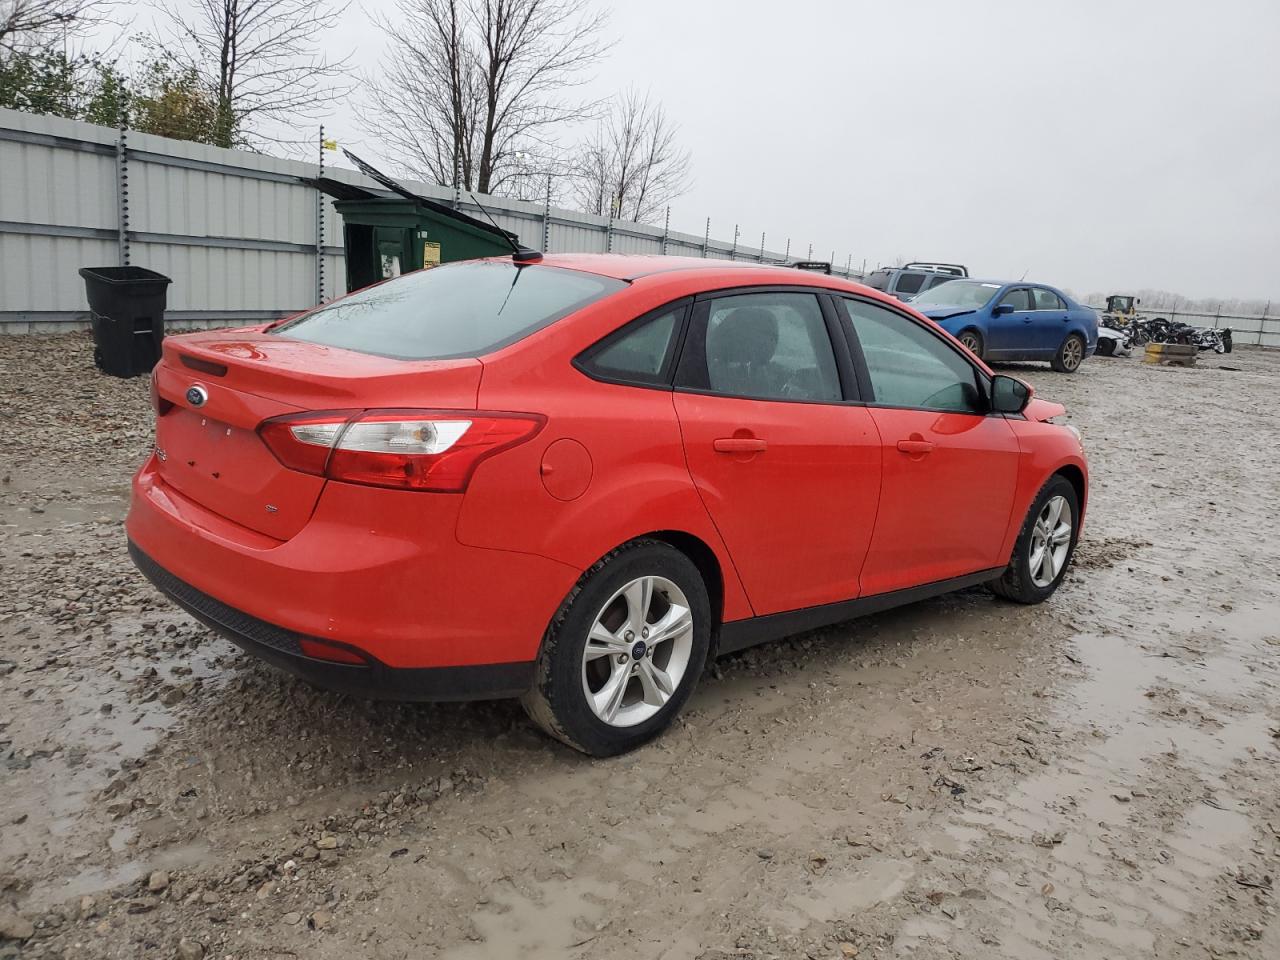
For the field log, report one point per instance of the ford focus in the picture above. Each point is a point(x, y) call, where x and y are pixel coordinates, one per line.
point(573, 481)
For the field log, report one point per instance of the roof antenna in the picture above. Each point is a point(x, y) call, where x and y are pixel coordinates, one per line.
point(520, 255)
point(1020, 279)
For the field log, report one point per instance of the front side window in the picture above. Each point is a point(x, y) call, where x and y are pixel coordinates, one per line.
point(640, 351)
point(1020, 298)
point(456, 310)
point(909, 366)
point(910, 283)
point(1047, 299)
point(768, 346)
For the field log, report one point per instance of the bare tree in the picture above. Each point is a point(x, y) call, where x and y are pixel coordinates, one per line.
point(633, 165)
point(468, 84)
point(27, 24)
point(260, 62)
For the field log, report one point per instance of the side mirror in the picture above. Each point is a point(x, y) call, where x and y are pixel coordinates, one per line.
point(1001, 309)
point(1008, 394)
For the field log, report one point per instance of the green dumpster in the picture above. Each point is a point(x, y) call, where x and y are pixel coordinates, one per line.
point(388, 236)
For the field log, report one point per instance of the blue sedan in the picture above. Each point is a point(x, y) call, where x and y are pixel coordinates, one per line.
point(1013, 321)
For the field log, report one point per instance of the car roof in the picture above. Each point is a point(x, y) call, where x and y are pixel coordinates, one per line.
point(634, 266)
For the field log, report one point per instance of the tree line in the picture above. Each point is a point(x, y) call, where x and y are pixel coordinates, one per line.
point(484, 94)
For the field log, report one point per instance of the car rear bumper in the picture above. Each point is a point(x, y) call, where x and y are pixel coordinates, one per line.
point(377, 570)
point(373, 679)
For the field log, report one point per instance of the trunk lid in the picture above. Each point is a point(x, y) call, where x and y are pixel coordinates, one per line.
point(222, 385)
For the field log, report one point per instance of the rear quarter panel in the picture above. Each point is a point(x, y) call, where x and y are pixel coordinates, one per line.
point(638, 480)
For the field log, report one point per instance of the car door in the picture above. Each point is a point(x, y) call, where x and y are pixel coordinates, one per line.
point(1009, 334)
point(1049, 326)
point(787, 465)
point(949, 469)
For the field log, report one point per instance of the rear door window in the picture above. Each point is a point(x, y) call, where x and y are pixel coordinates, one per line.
point(457, 310)
point(767, 346)
point(1047, 299)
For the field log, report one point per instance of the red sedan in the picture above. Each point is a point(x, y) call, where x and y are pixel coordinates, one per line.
point(575, 480)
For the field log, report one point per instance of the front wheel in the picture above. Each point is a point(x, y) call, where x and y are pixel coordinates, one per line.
point(1045, 545)
point(1106, 347)
point(1070, 354)
point(624, 651)
point(972, 341)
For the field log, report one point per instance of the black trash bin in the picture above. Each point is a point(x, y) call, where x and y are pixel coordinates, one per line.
point(127, 304)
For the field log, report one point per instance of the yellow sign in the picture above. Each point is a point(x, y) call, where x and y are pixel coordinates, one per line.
point(430, 255)
point(329, 144)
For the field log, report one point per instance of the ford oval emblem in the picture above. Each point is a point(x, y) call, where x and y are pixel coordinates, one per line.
point(197, 395)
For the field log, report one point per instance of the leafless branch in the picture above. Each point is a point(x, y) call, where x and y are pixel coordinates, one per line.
point(632, 166)
point(467, 84)
point(27, 24)
point(260, 62)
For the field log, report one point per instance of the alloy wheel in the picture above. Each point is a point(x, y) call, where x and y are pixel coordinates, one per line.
point(1050, 541)
point(1072, 353)
point(970, 341)
point(638, 651)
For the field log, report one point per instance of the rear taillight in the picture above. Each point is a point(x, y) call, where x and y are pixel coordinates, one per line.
point(430, 450)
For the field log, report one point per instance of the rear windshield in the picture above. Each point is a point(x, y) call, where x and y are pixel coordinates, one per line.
point(457, 310)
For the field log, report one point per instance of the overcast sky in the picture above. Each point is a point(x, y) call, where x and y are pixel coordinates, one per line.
point(1100, 146)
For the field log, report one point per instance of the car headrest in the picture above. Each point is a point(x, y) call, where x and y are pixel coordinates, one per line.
point(746, 335)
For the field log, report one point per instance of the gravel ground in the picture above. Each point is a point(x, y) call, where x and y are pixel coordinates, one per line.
point(1093, 778)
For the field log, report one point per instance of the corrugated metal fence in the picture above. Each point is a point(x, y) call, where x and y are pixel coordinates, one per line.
point(236, 231)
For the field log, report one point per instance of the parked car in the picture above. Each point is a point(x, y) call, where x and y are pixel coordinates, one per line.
point(575, 481)
point(907, 282)
point(1014, 321)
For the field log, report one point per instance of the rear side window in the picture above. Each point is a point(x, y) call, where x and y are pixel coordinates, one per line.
point(939, 280)
point(1047, 299)
point(767, 346)
point(909, 366)
point(457, 310)
point(910, 282)
point(638, 353)
point(878, 280)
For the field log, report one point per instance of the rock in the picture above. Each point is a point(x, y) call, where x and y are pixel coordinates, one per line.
point(764, 854)
point(327, 843)
point(158, 882)
point(88, 907)
point(15, 927)
point(321, 919)
point(292, 917)
point(189, 949)
point(172, 696)
point(848, 951)
point(310, 853)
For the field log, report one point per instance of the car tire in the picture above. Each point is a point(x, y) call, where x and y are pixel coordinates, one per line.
point(1070, 354)
point(1027, 579)
point(1106, 347)
point(972, 339)
point(573, 696)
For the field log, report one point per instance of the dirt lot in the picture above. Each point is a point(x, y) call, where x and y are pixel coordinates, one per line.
point(1098, 777)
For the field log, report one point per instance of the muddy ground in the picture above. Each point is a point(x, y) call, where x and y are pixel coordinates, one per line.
point(1097, 777)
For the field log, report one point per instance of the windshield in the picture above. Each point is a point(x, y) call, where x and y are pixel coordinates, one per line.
point(957, 293)
point(457, 310)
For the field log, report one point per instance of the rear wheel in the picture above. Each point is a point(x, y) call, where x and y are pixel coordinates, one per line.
point(624, 651)
point(1070, 354)
point(1045, 545)
point(1106, 347)
point(972, 340)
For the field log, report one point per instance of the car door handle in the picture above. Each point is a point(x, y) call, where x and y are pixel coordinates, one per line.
point(740, 445)
point(915, 448)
